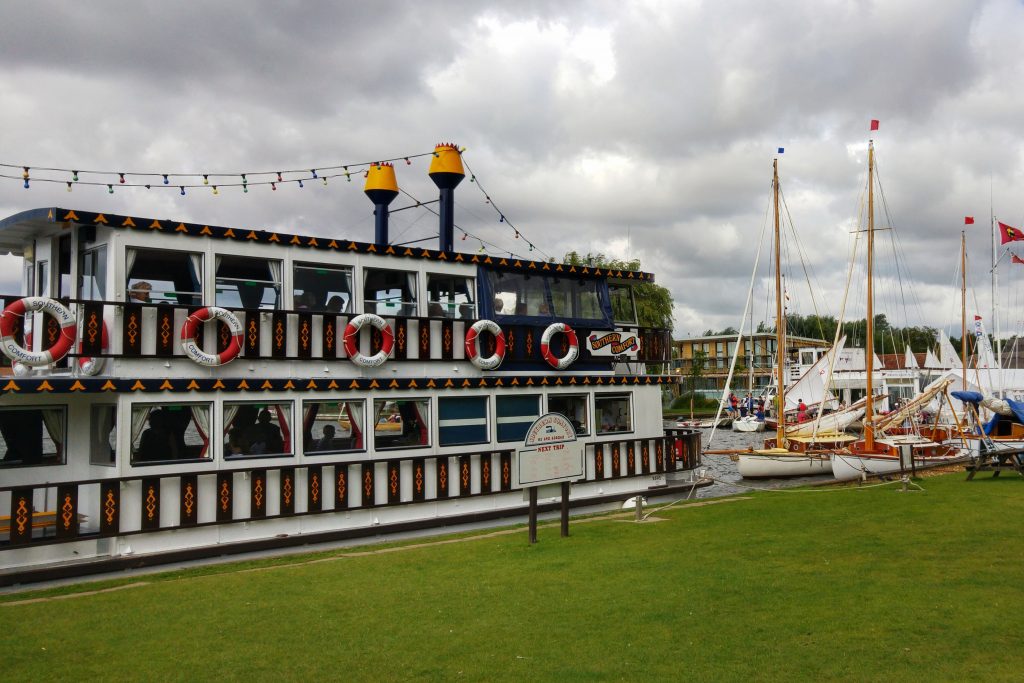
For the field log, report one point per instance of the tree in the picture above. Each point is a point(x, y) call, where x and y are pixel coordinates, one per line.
point(696, 372)
point(653, 302)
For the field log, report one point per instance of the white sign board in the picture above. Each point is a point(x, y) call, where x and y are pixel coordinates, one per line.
point(550, 452)
point(613, 344)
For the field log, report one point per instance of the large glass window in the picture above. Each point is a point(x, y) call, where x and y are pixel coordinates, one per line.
point(574, 407)
point(389, 292)
point(161, 276)
point(33, 436)
point(517, 294)
point(462, 420)
point(450, 296)
point(402, 423)
point(546, 296)
point(513, 415)
point(64, 266)
point(102, 434)
point(332, 426)
point(612, 413)
point(257, 429)
point(245, 282)
point(92, 274)
point(326, 289)
point(623, 308)
point(170, 432)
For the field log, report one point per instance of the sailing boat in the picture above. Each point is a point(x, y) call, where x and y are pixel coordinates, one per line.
point(885, 437)
point(783, 455)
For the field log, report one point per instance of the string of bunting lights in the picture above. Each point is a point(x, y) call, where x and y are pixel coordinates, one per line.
point(245, 180)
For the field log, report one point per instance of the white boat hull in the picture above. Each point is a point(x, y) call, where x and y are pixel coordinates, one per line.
point(846, 466)
point(748, 424)
point(770, 465)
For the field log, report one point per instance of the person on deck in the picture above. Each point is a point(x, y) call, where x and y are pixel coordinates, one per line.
point(801, 411)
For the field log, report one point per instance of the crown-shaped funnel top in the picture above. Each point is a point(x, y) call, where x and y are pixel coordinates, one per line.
point(446, 166)
point(381, 176)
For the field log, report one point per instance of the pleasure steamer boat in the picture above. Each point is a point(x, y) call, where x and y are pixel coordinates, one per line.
point(180, 390)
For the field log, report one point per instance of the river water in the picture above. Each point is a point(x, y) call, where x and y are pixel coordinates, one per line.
point(723, 469)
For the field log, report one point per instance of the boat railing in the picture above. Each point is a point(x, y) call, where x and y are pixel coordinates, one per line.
point(143, 330)
point(60, 512)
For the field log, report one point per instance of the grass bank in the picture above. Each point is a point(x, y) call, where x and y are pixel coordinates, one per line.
point(865, 584)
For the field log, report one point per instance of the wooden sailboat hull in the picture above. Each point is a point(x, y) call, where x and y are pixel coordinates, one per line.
point(768, 464)
point(855, 463)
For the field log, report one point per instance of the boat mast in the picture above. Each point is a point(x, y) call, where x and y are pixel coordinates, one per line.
point(963, 305)
point(780, 322)
point(869, 352)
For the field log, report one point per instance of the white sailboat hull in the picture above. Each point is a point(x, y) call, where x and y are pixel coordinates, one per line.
point(770, 465)
point(846, 466)
point(748, 424)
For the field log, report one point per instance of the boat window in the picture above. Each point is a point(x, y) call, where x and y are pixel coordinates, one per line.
point(402, 423)
point(92, 274)
point(170, 432)
point(322, 288)
point(514, 415)
point(246, 282)
point(173, 277)
point(623, 307)
point(332, 426)
point(462, 420)
point(389, 292)
point(450, 296)
point(612, 413)
point(547, 296)
point(33, 436)
point(43, 286)
point(64, 266)
point(30, 280)
point(102, 434)
point(574, 407)
point(519, 294)
point(257, 429)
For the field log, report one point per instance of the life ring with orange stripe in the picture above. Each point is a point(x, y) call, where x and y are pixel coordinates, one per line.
point(473, 353)
point(191, 327)
point(545, 346)
point(35, 359)
point(88, 364)
point(351, 340)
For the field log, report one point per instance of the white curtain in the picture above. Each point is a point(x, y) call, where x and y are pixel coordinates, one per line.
point(53, 418)
point(354, 410)
point(201, 416)
point(411, 277)
point(129, 261)
point(139, 416)
point(275, 275)
point(229, 416)
point(197, 270)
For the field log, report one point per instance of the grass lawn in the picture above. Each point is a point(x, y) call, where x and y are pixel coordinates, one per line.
point(849, 584)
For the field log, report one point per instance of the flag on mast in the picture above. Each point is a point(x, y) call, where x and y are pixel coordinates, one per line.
point(874, 124)
point(1009, 233)
point(968, 220)
point(1015, 259)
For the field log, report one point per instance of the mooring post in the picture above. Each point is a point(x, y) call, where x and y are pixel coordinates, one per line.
point(639, 508)
point(533, 515)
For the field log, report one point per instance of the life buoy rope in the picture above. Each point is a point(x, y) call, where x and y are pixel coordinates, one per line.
point(473, 353)
point(191, 327)
point(351, 340)
point(34, 359)
point(545, 346)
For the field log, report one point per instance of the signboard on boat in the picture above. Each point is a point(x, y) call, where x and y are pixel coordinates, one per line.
point(550, 452)
point(613, 344)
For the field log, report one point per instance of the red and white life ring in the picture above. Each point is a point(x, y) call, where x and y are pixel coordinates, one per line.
point(473, 353)
point(191, 326)
point(35, 359)
point(545, 346)
point(89, 365)
point(351, 340)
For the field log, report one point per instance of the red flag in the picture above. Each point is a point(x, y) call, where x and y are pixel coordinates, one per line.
point(1016, 259)
point(1010, 234)
point(874, 124)
point(968, 220)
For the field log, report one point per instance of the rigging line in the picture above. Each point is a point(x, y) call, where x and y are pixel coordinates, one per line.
point(479, 239)
point(148, 174)
point(501, 213)
point(809, 275)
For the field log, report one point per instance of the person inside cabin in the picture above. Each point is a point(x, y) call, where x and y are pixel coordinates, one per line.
point(801, 411)
point(264, 436)
point(326, 442)
point(139, 293)
point(236, 442)
point(498, 304)
point(435, 310)
point(157, 442)
point(335, 304)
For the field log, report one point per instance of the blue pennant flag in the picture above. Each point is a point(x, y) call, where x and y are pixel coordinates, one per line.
point(781, 150)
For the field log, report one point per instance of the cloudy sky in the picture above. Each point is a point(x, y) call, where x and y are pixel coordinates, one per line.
point(639, 130)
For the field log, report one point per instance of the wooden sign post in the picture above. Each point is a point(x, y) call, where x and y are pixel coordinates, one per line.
point(550, 455)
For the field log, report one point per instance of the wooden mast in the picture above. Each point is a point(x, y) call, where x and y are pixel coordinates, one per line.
point(963, 305)
point(869, 352)
point(780, 321)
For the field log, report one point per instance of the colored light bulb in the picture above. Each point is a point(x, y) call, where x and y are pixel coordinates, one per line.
point(166, 181)
point(182, 190)
point(273, 186)
point(110, 188)
point(300, 183)
point(215, 192)
point(24, 173)
point(74, 176)
point(206, 179)
point(122, 177)
point(325, 181)
point(407, 162)
point(26, 183)
point(69, 186)
point(313, 171)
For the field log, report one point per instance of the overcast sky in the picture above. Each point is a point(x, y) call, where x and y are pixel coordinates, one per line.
point(639, 130)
